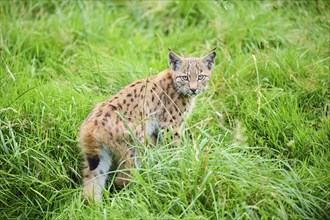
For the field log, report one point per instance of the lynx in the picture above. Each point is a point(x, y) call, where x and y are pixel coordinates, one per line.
point(148, 108)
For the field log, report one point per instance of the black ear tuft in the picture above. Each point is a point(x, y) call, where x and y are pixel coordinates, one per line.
point(174, 60)
point(209, 58)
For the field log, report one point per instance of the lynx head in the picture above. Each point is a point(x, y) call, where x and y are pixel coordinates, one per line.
point(191, 75)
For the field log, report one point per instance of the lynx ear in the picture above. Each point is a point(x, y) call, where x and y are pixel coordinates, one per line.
point(209, 58)
point(174, 60)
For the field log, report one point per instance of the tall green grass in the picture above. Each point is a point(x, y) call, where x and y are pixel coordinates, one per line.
point(255, 147)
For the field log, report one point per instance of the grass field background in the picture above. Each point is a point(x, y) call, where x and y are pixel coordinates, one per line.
point(256, 145)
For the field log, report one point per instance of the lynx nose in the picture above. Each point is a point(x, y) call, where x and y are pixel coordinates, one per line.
point(193, 90)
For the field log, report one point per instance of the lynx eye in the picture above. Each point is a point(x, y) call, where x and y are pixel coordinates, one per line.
point(201, 77)
point(184, 78)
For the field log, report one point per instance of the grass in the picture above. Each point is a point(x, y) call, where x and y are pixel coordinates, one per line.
point(255, 147)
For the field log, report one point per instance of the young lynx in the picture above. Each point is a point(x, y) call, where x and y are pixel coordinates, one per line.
point(147, 108)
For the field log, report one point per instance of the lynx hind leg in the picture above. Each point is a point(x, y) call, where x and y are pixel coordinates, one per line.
point(95, 175)
point(124, 175)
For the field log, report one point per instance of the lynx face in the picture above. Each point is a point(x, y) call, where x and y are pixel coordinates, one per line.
point(191, 75)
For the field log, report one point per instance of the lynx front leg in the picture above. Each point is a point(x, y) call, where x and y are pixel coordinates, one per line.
point(94, 178)
point(170, 133)
point(175, 135)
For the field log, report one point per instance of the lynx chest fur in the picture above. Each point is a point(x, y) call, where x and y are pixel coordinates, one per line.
point(146, 109)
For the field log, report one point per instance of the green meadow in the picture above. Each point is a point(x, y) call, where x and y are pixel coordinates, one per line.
point(257, 144)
